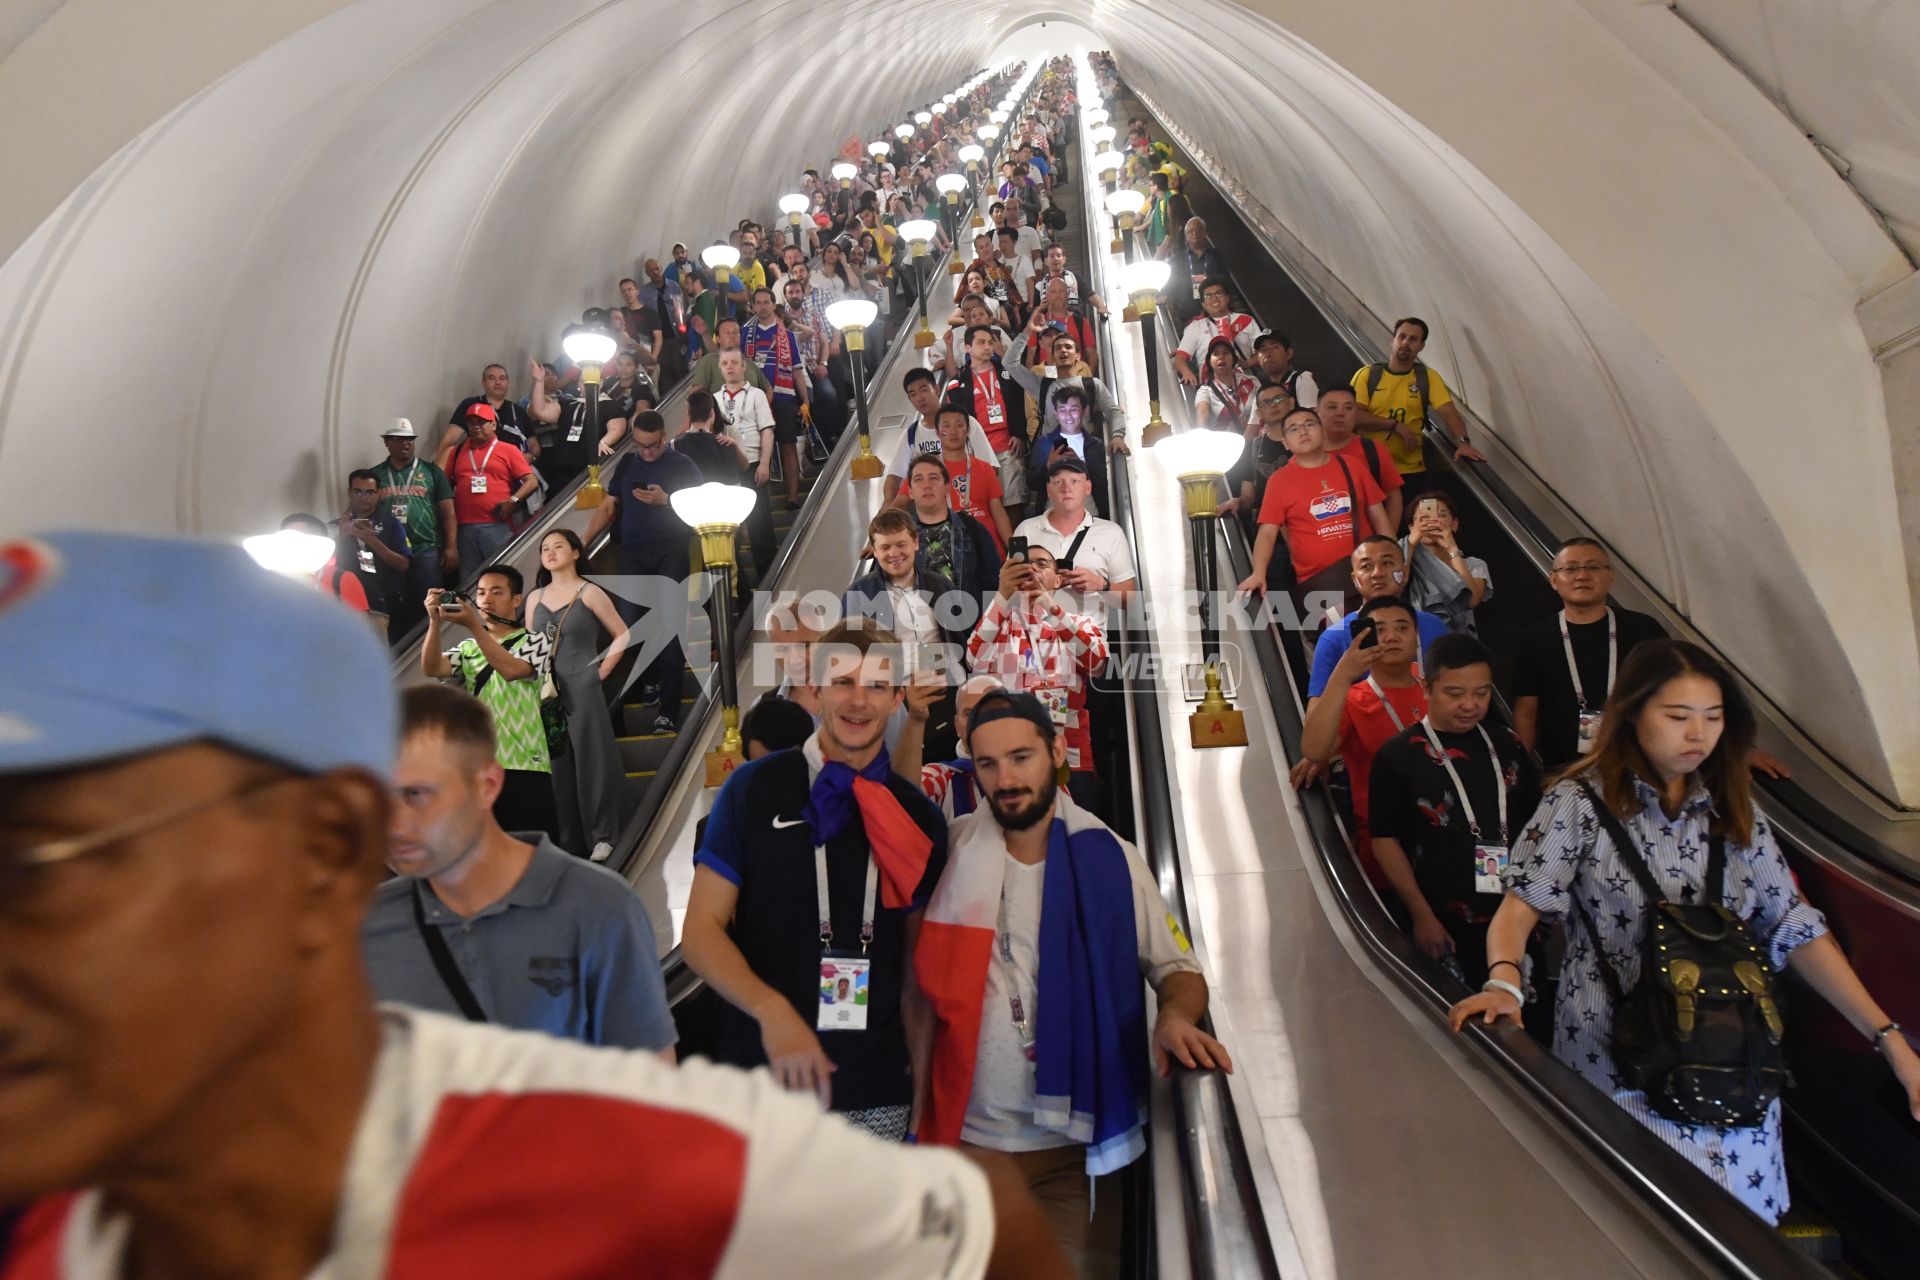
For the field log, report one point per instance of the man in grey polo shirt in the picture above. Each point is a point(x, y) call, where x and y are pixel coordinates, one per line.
point(527, 936)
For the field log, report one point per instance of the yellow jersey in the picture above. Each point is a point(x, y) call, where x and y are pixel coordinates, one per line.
point(1397, 397)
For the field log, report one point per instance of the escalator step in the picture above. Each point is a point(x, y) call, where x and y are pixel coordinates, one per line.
point(1812, 1235)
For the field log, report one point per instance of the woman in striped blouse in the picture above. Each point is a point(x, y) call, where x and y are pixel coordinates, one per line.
point(1669, 762)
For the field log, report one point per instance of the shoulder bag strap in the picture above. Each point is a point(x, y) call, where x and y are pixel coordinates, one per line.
point(1716, 883)
point(1353, 500)
point(443, 962)
point(1629, 851)
point(1073, 548)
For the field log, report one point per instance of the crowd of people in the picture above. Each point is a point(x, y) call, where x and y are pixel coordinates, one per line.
point(1534, 858)
point(910, 901)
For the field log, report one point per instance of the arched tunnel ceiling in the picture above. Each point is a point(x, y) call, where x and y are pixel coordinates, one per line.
point(1639, 271)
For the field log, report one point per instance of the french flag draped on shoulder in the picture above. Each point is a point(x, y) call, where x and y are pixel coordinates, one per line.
point(1090, 1060)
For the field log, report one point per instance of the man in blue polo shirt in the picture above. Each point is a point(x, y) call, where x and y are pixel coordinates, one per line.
point(815, 866)
point(1379, 569)
point(501, 929)
point(652, 543)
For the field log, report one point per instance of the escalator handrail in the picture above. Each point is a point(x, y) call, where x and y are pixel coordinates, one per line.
point(1739, 1242)
point(1822, 832)
point(1227, 1231)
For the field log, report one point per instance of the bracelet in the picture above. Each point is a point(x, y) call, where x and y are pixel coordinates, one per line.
point(1880, 1036)
point(1495, 984)
point(1509, 963)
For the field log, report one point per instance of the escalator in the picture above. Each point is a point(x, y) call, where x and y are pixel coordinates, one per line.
point(1190, 1208)
point(1853, 1152)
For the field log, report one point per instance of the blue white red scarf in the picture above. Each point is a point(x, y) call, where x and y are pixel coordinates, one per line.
point(772, 348)
point(900, 847)
point(1090, 1059)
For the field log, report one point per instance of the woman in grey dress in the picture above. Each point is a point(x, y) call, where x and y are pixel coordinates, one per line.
point(575, 617)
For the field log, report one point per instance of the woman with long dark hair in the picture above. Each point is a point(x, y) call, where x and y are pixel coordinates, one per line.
point(575, 618)
point(1669, 764)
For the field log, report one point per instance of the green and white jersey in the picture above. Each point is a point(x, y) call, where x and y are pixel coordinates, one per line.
point(514, 704)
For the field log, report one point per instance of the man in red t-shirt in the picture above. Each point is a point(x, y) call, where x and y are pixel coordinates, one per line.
point(973, 483)
point(1373, 694)
point(1338, 412)
point(991, 397)
point(1311, 503)
point(489, 476)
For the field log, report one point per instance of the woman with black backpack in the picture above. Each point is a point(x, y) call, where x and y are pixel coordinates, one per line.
point(1650, 848)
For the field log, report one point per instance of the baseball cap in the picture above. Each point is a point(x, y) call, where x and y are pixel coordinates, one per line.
point(402, 428)
point(482, 410)
point(1072, 462)
point(123, 644)
point(1006, 704)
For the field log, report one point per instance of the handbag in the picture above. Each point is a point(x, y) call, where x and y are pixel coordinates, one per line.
point(553, 709)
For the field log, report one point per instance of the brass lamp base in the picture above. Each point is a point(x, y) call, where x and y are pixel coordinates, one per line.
point(865, 465)
point(924, 338)
point(1216, 723)
point(731, 753)
point(1156, 429)
point(590, 495)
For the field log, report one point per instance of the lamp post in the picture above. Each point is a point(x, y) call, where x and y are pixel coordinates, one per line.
point(1106, 166)
point(716, 512)
point(950, 185)
point(1102, 136)
point(971, 155)
point(289, 551)
point(1143, 281)
point(721, 259)
point(590, 349)
point(919, 233)
point(879, 150)
point(844, 172)
point(795, 206)
point(851, 316)
point(1095, 115)
point(1200, 459)
point(1125, 205)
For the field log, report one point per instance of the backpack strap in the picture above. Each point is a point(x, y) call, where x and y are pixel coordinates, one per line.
point(1353, 498)
point(1630, 853)
point(1372, 451)
point(1374, 373)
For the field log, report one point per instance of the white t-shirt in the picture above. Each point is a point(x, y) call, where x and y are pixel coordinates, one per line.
point(1000, 1108)
point(1203, 329)
point(745, 413)
point(919, 438)
point(1105, 549)
point(465, 1126)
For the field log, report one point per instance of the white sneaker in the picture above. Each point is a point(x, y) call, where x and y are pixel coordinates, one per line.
point(602, 851)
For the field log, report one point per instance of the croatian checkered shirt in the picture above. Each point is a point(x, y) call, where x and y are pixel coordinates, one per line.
point(1048, 652)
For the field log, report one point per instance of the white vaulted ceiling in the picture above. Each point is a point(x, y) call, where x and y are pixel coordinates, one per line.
point(229, 264)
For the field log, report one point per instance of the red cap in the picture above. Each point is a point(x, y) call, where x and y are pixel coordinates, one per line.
point(483, 410)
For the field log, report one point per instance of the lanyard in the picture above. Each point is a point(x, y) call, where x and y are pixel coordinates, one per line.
point(1573, 668)
point(826, 910)
point(406, 486)
point(481, 466)
point(1460, 788)
point(1392, 713)
point(1016, 1008)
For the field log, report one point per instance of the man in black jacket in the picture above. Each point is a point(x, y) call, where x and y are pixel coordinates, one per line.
point(930, 616)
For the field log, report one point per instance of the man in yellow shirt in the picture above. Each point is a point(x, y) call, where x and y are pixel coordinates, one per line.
point(1395, 398)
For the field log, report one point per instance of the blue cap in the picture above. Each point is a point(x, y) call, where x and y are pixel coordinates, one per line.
point(118, 645)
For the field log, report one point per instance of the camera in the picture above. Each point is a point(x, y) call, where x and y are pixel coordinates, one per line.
point(450, 601)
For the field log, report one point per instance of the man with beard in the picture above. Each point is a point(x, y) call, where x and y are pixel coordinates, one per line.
point(815, 866)
point(1007, 971)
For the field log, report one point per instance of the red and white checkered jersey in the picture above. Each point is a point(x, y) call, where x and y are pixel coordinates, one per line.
point(1045, 651)
point(484, 1152)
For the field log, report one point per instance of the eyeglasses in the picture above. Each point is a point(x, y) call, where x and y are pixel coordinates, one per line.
point(22, 887)
point(1576, 570)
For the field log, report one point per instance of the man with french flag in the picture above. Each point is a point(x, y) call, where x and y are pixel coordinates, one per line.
point(1030, 960)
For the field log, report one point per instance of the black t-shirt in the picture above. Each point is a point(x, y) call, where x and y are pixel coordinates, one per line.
point(641, 322)
point(717, 462)
point(1540, 671)
point(571, 443)
point(1256, 464)
point(624, 398)
point(513, 425)
point(1411, 799)
point(755, 839)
